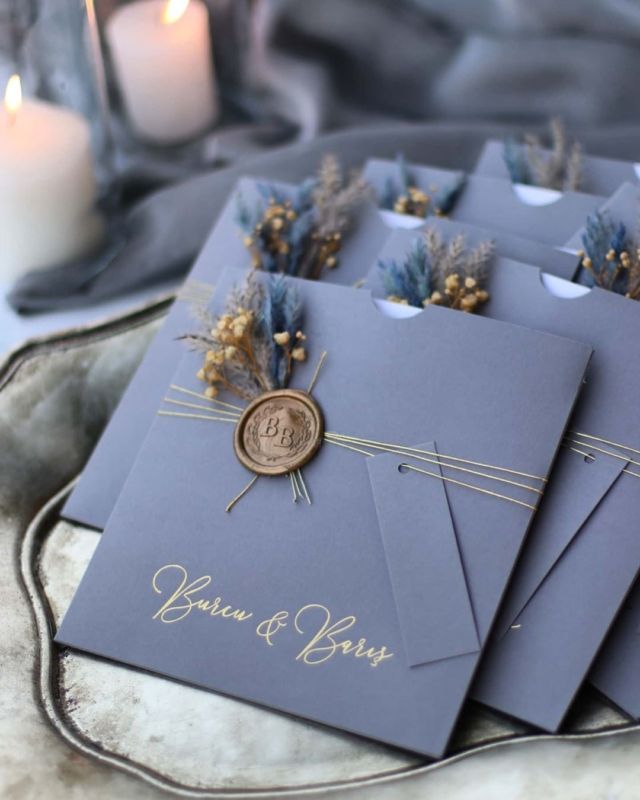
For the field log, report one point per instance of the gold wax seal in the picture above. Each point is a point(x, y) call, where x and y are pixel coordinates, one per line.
point(279, 432)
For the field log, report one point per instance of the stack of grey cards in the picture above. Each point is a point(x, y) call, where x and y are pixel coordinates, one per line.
point(453, 510)
point(316, 608)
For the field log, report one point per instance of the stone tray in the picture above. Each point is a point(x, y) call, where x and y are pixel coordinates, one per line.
point(72, 716)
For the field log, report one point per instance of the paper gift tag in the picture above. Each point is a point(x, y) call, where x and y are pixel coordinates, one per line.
point(102, 479)
point(311, 624)
point(423, 559)
point(601, 176)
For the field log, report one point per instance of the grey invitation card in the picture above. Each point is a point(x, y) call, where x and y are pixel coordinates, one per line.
point(398, 244)
point(602, 176)
point(623, 206)
point(571, 580)
point(93, 498)
point(584, 552)
point(616, 671)
point(292, 605)
point(492, 203)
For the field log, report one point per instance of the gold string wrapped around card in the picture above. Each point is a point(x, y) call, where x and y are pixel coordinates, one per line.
point(250, 352)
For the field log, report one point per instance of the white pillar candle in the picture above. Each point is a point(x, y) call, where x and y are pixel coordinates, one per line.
point(161, 51)
point(47, 185)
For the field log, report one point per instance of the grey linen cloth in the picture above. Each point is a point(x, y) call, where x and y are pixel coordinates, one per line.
point(312, 67)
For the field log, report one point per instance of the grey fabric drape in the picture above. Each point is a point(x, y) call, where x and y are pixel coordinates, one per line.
point(309, 67)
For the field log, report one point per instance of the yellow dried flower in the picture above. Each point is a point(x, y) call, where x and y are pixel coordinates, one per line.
point(611, 255)
point(300, 335)
point(229, 352)
point(299, 354)
point(281, 338)
point(200, 375)
point(469, 302)
point(482, 295)
point(452, 281)
point(211, 392)
point(470, 283)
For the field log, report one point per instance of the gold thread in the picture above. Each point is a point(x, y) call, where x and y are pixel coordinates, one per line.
point(241, 494)
point(234, 414)
point(605, 441)
point(196, 290)
point(469, 486)
point(347, 446)
point(296, 488)
point(314, 379)
point(293, 488)
point(304, 486)
point(411, 450)
point(399, 450)
point(194, 416)
point(204, 397)
point(593, 458)
point(606, 452)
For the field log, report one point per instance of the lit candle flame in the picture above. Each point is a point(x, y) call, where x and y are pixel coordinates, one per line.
point(13, 98)
point(173, 10)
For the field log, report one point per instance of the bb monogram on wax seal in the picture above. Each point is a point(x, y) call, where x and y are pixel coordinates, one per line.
point(250, 352)
point(279, 432)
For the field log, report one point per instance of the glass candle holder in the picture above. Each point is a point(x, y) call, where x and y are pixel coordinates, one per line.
point(54, 136)
point(175, 74)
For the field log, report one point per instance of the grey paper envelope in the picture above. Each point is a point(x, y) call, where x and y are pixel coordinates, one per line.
point(601, 176)
point(385, 177)
point(623, 206)
point(104, 475)
point(584, 552)
point(492, 203)
point(495, 393)
point(616, 671)
point(399, 243)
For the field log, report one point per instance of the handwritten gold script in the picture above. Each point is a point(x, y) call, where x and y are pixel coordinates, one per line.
point(325, 643)
point(269, 627)
point(184, 600)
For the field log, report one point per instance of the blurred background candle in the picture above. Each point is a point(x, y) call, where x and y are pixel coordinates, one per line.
point(47, 185)
point(161, 51)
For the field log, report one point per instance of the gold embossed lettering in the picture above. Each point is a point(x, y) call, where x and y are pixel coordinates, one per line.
point(269, 627)
point(181, 601)
point(325, 643)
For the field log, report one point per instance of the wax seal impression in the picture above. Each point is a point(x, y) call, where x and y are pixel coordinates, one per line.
point(279, 432)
